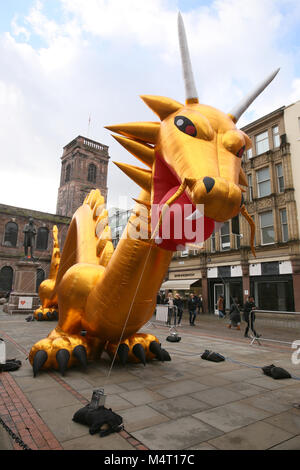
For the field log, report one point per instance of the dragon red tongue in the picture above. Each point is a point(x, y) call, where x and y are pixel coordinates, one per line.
point(176, 230)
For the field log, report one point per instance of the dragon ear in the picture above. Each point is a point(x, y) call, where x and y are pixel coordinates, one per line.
point(161, 106)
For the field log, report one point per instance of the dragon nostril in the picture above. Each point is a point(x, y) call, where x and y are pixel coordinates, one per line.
point(208, 183)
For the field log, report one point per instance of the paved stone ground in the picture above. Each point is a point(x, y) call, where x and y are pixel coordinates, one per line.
point(188, 403)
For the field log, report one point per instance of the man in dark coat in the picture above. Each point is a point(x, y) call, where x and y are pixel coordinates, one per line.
point(192, 306)
point(249, 316)
point(178, 302)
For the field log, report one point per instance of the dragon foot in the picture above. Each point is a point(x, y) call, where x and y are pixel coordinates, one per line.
point(61, 350)
point(48, 314)
point(138, 348)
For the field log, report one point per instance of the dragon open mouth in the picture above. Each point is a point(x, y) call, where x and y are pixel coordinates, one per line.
point(179, 226)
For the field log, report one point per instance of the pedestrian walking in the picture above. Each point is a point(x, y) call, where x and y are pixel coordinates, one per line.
point(235, 315)
point(170, 302)
point(178, 302)
point(192, 306)
point(249, 317)
point(221, 306)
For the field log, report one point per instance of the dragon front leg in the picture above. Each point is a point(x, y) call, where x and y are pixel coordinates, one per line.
point(68, 344)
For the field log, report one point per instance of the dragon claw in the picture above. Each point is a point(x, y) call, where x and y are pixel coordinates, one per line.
point(156, 349)
point(139, 352)
point(138, 348)
point(62, 358)
point(39, 360)
point(80, 353)
point(123, 351)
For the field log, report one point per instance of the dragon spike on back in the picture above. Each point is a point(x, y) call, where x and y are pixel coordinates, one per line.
point(191, 94)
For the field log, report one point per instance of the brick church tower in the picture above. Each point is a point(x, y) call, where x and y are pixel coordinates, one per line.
point(84, 166)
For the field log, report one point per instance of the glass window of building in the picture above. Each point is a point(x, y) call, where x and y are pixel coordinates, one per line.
point(11, 234)
point(250, 187)
point(249, 154)
point(263, 182)
point(6, 279)
point(267, 228)
point(225, 237)
point(92, 171)
point(68, 173)
point(262, 143)
point(42, 238)
point(280, 179)
point(253, 218)
point(284, 225)
point(213, 242)
point(276, 136)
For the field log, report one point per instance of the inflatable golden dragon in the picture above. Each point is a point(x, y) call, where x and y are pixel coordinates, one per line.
point(105, 296)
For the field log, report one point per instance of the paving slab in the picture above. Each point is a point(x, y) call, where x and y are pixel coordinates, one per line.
point(178, 407)
point(257, 436)
point(267, 403)
point(61, 423)
point(52, 398)
point(176, 434)
point(231, 416)
point(140, 417)
point(182, 387)
point(289, 421)
point(217, 396)
point(245, 388)
point(290, 444)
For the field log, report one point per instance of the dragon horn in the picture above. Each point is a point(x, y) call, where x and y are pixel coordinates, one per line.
point(189, 82)
point(238, 110)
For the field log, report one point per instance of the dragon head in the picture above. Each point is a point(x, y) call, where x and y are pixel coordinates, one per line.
point(194, 154)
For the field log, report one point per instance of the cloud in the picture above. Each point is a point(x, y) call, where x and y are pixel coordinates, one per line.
point(95, 58)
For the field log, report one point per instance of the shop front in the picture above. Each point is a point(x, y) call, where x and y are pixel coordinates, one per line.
point(271, 284)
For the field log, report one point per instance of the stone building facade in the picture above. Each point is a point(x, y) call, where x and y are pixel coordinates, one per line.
point(226, 264)
point(12, 223)
point(84, 167)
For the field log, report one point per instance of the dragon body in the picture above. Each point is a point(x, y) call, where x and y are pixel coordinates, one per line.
point(193, 154)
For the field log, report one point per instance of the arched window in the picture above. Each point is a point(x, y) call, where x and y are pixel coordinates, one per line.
point(68, 173)
point(6, 279)
point(92, 171)
point(42, 238)
point(11, 234)
point(40, 276)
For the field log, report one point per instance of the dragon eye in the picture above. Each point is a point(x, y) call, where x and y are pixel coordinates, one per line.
point(240, 152)
point(185, 125)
